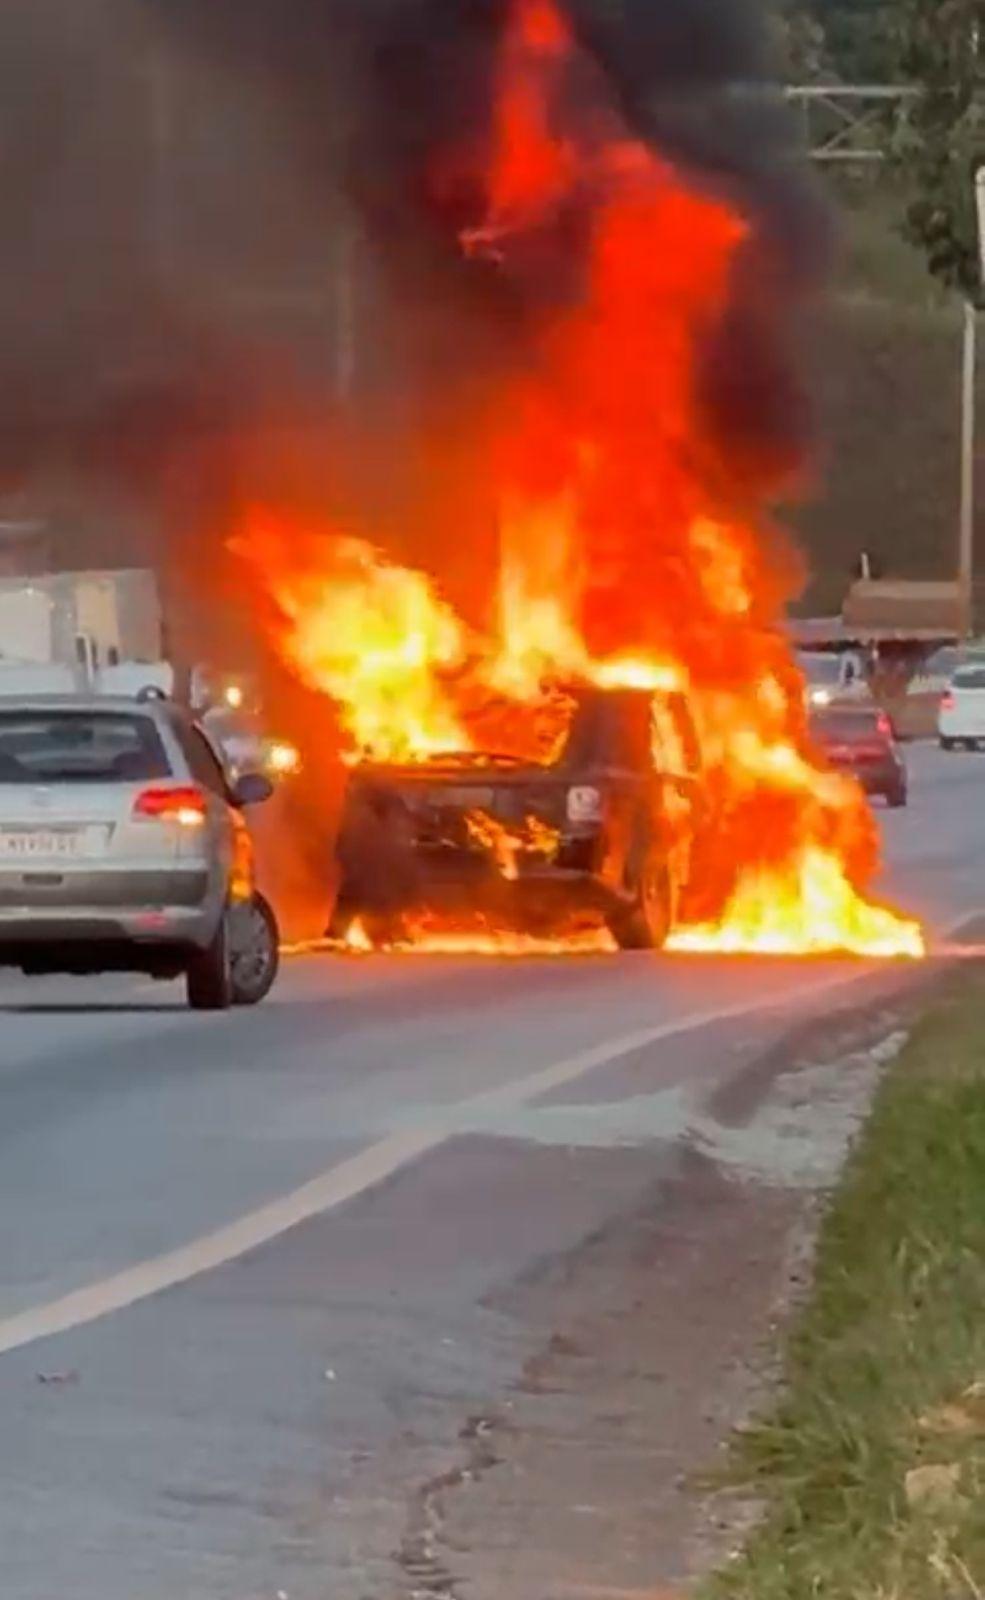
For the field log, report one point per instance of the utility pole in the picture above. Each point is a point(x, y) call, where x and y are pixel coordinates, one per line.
point(966, 536)
point(969, 395)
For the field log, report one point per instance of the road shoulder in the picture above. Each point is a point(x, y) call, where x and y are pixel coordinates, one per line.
point(870, 1467)
point(654, 1339)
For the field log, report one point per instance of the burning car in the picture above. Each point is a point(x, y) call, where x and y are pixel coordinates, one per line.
point(601, 829)
point(606, 519)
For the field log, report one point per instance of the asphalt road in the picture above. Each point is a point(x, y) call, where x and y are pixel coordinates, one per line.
point(253, 1267)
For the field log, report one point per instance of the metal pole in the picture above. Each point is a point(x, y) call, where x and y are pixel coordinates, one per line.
point(966, 554)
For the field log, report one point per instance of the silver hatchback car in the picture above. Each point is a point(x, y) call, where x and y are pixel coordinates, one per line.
point(123, 849)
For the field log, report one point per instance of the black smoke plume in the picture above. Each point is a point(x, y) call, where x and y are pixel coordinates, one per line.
point(287, 109)
point(375, 92)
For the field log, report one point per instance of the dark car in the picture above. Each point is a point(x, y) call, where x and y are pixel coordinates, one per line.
point(604, 827)
point(861, 741)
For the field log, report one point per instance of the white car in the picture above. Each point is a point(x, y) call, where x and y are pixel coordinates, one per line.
point(961, 717)
point(123, 848)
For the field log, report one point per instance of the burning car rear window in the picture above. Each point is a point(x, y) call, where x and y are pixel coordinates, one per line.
point(79, 747)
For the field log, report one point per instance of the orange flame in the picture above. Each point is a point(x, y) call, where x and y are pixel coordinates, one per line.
point(632, 543)
point(806, 908)
point(506, 845)
point(428, 934)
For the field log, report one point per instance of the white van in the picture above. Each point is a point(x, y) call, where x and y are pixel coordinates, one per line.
point(132, 680)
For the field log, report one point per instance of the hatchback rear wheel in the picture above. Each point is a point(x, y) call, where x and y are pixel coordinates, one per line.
point(209, 975)
point(255, 955)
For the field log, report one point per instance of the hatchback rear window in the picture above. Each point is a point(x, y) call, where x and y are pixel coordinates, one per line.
point(79, 747)
point(969, 678)
point(846, 725)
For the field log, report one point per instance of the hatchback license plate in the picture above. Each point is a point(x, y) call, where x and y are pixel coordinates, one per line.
point(27, 844)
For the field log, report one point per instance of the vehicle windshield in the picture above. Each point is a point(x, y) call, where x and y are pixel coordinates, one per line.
point(223, 724)
point(970, 678)
point(821, 670)
point(79, 747)
point(943, 662)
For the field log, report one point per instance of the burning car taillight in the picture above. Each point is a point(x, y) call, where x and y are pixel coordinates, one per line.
point(584, 804)
point(885, 726)
point(186, 806)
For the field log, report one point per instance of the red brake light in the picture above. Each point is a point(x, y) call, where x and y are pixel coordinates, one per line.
point(885, 726)
point(947, 701)
point(185, 805)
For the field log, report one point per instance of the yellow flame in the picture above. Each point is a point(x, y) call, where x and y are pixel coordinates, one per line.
point(429, 934)
point(809, 908)
point(412, 680)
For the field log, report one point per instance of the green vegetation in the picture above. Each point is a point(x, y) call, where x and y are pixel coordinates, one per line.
point(937, 48)
point(872, 1467)
point(856, 41)
point(884, 351)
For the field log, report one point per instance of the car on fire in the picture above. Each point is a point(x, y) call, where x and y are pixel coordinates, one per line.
point(861, 740)
point(123, 848)
point(604, 827)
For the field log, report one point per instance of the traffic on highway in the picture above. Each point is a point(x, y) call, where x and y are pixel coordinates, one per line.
point(471, 937)
point(254, 1293)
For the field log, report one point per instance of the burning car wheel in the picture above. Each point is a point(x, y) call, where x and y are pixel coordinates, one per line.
point(645, 924)
point(255, 952)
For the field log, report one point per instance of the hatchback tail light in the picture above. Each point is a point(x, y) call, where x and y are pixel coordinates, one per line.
point(947, 700)
point(885, 726)
point(185, 805)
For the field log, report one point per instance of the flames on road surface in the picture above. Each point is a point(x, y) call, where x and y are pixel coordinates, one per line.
point(427, 933)
point(635, 543)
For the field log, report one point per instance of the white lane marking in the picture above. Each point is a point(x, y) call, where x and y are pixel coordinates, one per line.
point(361, 1172)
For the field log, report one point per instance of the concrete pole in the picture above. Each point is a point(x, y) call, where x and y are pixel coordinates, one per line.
point(966, 550)
point(969, 391)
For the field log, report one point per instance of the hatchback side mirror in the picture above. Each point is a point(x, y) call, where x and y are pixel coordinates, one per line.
point(251, 789)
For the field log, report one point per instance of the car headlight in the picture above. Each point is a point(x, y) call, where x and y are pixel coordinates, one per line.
point(584, 804)
point(819, 697)
point(283, 759)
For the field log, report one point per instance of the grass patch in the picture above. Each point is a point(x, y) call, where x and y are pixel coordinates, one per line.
point(883, 1362)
